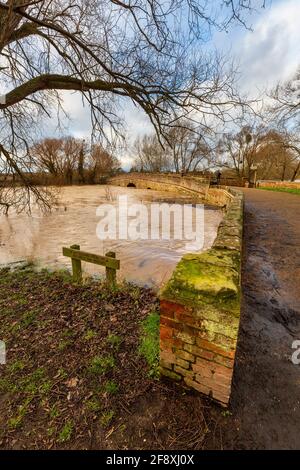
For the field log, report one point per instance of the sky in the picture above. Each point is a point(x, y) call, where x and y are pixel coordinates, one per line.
point(264, 55)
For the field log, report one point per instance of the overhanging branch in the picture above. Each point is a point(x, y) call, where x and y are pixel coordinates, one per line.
point(63, 82)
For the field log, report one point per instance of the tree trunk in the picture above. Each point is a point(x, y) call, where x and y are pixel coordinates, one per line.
point(296, 172)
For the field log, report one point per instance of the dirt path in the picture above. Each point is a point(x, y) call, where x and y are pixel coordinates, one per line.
point(266, 394)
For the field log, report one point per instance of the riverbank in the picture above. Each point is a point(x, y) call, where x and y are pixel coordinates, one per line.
point(81, 371)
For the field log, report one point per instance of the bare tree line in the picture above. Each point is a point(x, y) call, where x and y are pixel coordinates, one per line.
point(68, 160)
point(268, 141)
point(274, 153)
point(109, 51)
point(187, 149)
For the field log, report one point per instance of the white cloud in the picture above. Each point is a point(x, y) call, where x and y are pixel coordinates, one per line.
point(270, 53)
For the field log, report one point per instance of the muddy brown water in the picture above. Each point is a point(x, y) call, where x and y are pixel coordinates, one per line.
point(40, 238)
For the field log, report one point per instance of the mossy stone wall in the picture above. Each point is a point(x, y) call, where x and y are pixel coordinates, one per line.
point(200, 311)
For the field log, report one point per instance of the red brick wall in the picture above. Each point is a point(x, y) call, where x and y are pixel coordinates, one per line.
point(192, 356)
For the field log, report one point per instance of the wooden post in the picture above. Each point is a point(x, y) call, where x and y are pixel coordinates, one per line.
point(76, 266)
point(77, 256)
point(111, 273)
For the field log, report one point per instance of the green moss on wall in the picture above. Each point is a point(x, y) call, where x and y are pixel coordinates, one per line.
point(210, 281)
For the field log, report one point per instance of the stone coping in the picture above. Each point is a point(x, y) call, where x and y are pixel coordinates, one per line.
point(200, 311)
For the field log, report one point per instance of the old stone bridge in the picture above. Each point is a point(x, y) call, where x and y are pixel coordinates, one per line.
point(193, 185)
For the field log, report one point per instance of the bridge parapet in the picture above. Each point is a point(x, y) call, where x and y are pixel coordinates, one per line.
point(192, 185)
point(200, 312)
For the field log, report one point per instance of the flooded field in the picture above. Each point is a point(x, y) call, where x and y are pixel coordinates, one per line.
point(73, 220)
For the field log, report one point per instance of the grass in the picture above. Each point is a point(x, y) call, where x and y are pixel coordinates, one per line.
point(90, 334)
point(114, 341)
point(16, 421)
point(66, 432)
point(99, 365)
point(29, 318)
point(93, 405)
point(106, 418)
point(16, 366)
point(54, 412)
point(281, 190)
point(149, 346)
point(111, 387)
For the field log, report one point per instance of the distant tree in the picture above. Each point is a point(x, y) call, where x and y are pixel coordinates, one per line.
point(49, 155)
point(81, 161)
point(237, 150)
point(273, 152)
point(188, 148)
point(286, 103)
point(284, 113)
point(59, 157)
point(274, 158)
point(72, 149)
point(150, 155)
point(101, 163)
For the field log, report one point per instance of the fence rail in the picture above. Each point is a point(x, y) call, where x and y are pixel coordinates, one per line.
point(77, 256)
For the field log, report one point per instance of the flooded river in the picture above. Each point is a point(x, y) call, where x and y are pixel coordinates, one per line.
point(40, 237)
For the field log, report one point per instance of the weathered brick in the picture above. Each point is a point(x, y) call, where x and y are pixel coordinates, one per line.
point(203, 370)
point(165, 332)
point(166, 310)
point(197, 386)
point(188, 319)
point(165, 364)
point(170, 374)
point(184, 372)
point(187, 356)
point(209, 355)
point(227, 343)
point(170, 323)
point(202, 343)
point(186, 337)
point(199, 352)
point(173, 307)
point(166, 345)
point(225, 361)
point(182, 363)
point(222, 380)
point(168, 357)
point(213, 384)
point(205, 364)
point(206, 334)
point(223, 398)
point(171, 344)
point(214, 367)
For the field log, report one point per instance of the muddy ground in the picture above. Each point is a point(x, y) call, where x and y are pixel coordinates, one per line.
point(77, 376)
point(266, 388)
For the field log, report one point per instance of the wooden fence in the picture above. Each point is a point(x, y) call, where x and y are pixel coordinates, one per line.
point(77, 256)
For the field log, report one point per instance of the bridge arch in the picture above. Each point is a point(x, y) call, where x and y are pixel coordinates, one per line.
point(190, 185)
